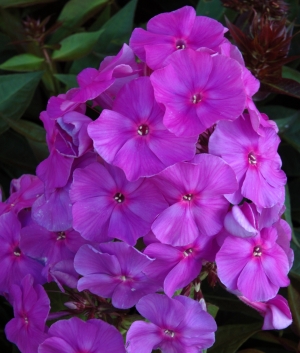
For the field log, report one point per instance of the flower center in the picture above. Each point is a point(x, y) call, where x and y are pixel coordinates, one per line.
point(119, 197)
point(169, 333)
point(252, 158)
point(17, 251)
point(180, 44)
point(187, 252)
point(196, 98)
point(61, 236)
point(187, 197)
point(257, 251)
point(143, 130)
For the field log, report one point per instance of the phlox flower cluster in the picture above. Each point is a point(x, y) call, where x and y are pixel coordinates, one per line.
point(178, 174)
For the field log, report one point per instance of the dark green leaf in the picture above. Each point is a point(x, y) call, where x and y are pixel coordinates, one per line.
point(212, 310)
point(288, 72)
point(285, 86)
point(294, 187)
point(28, 129)
point(12, 3)
point(76, 46)
point(230, 338)
point(117, 30)
point(287, 213)
point(294, 300)
point(292, 133)
point(15, 152)
point(74, 14)
point(290, 159)
point(210, 8)
point(68, 79)
point(250, 351)
point(39, 149)
point(283, 116)
point(296, 265)
point(23, 62)
point(16, 92)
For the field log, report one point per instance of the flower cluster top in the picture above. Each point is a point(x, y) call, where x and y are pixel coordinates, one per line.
point(178, 177)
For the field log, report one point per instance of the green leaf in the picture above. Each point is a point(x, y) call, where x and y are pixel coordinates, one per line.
point(294, 300)
point(27, 129)
point(74, 14)
point(290, 159)
point(288, 72)
point(16, 92)
point(283, 116)
point(287, 213)
point(117, 30)
point(212, 310)
point(76, 46)
point(285, 86)
point(229, 338)
point(292, 133)
point(20, 3)
point(68, 79)
point(250, 351)
point(16, 153)
point(210, 8)
point(23, 62)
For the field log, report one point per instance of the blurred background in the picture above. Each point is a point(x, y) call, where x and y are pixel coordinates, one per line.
point(44, 44)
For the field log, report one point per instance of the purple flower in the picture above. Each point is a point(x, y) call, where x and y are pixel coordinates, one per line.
point(178, 325)
point(253, 158)
point(75, 335)
point(23, 193)
point(104, 84)
point(256, 266)
point(14, 264)
point(133, 137)
point(195, 192)
point(116, 272)
point(176, 30)
point(106, 205)
point(276, 312)
point(176, 267)
point(31, 308)
point(198, 90)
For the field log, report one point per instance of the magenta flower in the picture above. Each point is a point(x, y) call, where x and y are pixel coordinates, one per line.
point(256, 266)
point(31, 308)
point(276, 312)
point(133, 137)
point(105, 83)
point(23, 193)
point(195, 192)
point(176, 267)
point(75, 335)
point(254, 159)
point(107, 206)
point(115, 272)
point(178, 325)
point(164, 35)
point(198, 90)
point(14, 264)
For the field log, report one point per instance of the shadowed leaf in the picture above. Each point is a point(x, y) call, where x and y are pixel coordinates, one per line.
point(23, 62)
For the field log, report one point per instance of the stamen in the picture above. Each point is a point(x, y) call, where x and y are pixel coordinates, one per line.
point(119, 197)
point(196, 98)
point(187, 252)
point(180, 44)
point(252, 158)
point(169, 333)
point(187, 197)
point(257, 251)
point(61, 236)
point(143, 130)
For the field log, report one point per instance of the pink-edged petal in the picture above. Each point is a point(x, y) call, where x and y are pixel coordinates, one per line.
point(161, 310)
point(272, 173)
point(236, 223)
point(90, 261)
point(176, 225)
point(233, 256)
point(278, 315)
point(254, 283)
point(276, 265)
point(55, 345)
point(142, 337)
point(99, 284)
point(181, 275)
point(109, 133)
